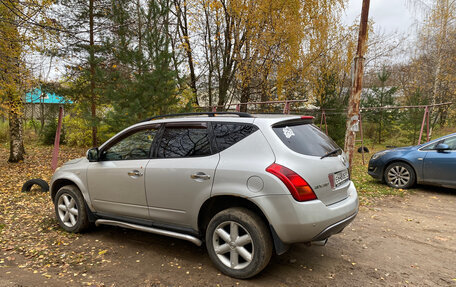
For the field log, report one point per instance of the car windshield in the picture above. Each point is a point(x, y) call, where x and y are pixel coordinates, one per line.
point(305, 138)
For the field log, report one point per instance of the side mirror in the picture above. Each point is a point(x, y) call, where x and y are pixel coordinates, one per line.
point(92, 154)
point(442, 147)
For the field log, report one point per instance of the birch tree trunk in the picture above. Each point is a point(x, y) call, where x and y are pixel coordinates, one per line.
point(17, 150)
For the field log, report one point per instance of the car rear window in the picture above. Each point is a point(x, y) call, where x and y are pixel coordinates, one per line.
point(304, 138)
point(227, 134)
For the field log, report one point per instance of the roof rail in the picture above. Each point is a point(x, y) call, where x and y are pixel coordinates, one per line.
point(209, 114)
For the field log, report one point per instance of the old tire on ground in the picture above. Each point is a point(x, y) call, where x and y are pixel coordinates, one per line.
point(399, 175)
point(238, 242)
point(70, 209)
point(361, 148)
point(27, 186)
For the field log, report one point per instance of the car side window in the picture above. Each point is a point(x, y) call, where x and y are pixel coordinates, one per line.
point(134, 146)
point(227, 134)
point(451, 142)
point(184, 141)
point(431, 146)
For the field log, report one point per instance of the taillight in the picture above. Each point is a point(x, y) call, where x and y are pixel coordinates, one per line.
point(298, 187)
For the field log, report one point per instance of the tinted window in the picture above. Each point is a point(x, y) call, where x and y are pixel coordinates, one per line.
point(184, 142)
point(227, 134)
point(305, 139)
point(134, 146)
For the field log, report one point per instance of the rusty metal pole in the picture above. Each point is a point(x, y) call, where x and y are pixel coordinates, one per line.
point(286, 108)
point(426, 115)
point(357, 85)
point(326, 126)
point(427, 124)
point(361, 134)
point(321, 120)
point(55, 153)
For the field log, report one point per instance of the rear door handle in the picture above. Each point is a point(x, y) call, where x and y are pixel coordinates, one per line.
point(135, 173)
point(200, 176)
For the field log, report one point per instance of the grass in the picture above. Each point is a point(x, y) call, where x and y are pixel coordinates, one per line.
point(369, 188)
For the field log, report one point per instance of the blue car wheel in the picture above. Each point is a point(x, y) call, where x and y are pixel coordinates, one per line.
point(399, 175)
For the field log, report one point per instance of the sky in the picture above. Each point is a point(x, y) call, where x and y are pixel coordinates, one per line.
point(389, 16)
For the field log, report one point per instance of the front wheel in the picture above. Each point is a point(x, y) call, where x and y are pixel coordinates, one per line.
point(399, 175)
point(238, 242)
point(70, 209)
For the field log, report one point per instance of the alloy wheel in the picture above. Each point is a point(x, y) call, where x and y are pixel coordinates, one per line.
point(398, 176)
point(233, 245)
point(68, 210)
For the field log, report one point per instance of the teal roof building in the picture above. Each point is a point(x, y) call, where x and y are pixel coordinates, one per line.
point(37, 96)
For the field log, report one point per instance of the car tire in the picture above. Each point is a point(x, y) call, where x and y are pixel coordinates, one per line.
point(238, 242)
point(399, 175)
point(70, 209)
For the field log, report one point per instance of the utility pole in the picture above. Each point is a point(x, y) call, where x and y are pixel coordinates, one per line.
point(357, 85)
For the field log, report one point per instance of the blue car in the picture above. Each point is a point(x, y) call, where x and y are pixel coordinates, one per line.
point(431, 163)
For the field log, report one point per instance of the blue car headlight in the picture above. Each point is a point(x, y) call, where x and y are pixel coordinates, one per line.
point(379, 154)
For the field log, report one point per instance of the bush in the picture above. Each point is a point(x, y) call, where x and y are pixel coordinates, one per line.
point(48, 134)
point(79, 131)
point(32, 124)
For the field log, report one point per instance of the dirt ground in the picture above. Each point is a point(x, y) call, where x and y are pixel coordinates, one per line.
point(396, 241)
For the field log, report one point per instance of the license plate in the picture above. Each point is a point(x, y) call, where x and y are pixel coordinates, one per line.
point(341, 177)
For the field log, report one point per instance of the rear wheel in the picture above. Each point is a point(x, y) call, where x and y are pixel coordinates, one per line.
point(70, 209)
point(399, 175)
point(238, 242)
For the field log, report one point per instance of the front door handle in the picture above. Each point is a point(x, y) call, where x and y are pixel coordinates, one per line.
point(199, 176)
point(135, 173)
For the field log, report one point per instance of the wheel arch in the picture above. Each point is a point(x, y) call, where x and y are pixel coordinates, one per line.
point(215, 204)
point(59, 183)
point(70, 180)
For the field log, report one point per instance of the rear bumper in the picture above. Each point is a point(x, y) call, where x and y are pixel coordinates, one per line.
point(296, 222)
point(335, 228)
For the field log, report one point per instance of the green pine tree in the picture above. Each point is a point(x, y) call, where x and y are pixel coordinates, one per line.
point(141, 81)
point(381, 96)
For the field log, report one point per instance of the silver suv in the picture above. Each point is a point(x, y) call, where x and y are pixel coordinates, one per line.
point(245, 185)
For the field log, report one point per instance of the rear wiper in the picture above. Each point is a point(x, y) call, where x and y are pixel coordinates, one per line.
point(331, 153)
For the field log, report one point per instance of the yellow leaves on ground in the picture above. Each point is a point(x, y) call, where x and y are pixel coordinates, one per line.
point(27, 222)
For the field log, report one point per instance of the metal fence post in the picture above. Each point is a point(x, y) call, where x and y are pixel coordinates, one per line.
point(426, 115)
point(55, 153)
point(286, 109)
